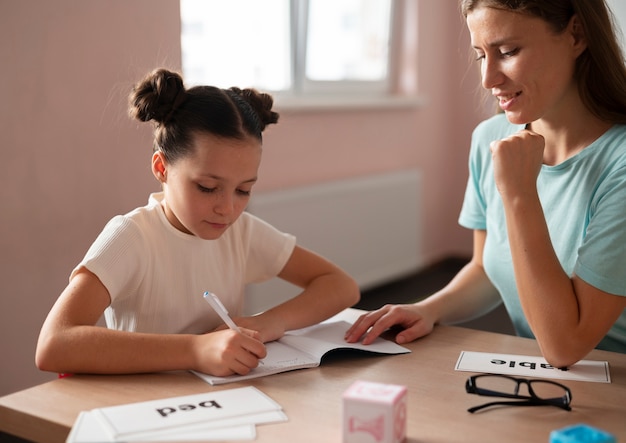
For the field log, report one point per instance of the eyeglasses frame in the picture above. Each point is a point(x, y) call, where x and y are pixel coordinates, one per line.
point(521, 400)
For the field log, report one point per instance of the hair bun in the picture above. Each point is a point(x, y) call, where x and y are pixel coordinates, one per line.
point(157, 96)
point(260, 102)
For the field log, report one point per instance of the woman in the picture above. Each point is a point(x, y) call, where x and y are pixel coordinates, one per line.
point(147, 271)
point(546, 196)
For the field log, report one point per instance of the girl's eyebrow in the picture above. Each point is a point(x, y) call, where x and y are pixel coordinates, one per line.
point(217, 177)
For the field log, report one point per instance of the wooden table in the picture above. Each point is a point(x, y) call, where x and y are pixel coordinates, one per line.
point(311, 398)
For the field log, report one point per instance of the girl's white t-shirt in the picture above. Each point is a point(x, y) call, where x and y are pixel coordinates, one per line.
point(156, 275)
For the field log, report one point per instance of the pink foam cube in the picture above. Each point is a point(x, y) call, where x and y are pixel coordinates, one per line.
point(374, 413)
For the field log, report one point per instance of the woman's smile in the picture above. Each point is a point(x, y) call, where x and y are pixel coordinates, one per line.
point(506, 101)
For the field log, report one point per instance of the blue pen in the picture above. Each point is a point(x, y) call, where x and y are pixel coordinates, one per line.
point(218, 307)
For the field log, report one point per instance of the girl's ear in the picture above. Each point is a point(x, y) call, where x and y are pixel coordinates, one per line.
point(159, 166)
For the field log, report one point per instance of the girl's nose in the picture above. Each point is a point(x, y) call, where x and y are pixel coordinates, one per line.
point(224, 204)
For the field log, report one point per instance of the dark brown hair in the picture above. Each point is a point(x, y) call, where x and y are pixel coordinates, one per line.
point(600, 70)
point(178, 112)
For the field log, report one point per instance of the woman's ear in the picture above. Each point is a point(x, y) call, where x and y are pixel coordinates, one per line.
point(159, 166)
point(578, 34)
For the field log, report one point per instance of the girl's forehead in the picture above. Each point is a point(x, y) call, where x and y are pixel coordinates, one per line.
point(226, 158)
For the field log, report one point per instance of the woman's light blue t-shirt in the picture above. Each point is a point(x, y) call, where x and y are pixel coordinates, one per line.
point(584, 202)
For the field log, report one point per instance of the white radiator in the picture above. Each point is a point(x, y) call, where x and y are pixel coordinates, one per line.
point(369, 226)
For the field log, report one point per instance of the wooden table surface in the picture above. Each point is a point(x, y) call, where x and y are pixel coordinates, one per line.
point(311, 398)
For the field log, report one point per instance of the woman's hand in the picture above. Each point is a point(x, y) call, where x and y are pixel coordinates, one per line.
point(517, 161)
point(411, 318)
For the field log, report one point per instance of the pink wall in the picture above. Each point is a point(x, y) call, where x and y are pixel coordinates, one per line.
point(71, 158)
point(310, 147)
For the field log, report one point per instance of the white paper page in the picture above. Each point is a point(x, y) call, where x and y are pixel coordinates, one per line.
point(280, 358)
point(124, 421)
point(236, 433)
point(320, 339)
point(237, 428)
point(89, 429)
point(304, 348)
point(530, 366)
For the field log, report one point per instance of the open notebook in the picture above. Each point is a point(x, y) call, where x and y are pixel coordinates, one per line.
point(305, 348)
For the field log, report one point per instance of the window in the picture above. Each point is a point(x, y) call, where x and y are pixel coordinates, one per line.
point(289, 47)
point(236, 43)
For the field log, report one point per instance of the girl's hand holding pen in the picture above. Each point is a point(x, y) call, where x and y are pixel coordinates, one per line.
point(227, 352)
point(231, 351)
point(269, 329)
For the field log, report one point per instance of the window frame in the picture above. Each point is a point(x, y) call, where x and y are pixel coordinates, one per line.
point(303, 86)
point(306, 94)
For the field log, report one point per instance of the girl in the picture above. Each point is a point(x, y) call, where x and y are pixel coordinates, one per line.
point(148, 269)
point(546, 196)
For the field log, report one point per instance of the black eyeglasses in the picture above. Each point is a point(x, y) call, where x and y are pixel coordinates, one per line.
point(541, 392)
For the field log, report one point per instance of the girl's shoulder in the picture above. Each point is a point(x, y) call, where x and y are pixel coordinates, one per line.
point(136, 224)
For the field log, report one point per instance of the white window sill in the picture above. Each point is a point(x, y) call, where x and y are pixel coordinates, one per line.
point(321, 103)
